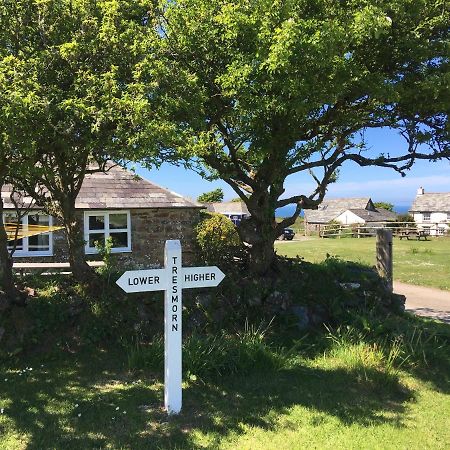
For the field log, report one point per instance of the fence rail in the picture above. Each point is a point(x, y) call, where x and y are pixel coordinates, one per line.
point(400, 229)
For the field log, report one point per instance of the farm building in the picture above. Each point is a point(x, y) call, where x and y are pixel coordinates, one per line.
point(137, 214)
point(347, 211)
point(431, 212)
point(236, 211)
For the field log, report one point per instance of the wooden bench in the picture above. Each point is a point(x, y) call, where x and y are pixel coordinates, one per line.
point(414, 234)
point(49, 267)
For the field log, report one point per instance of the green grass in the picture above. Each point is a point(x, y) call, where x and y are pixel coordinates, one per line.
point(341, 391)
point(424, 263)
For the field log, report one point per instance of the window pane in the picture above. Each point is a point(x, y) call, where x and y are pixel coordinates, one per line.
point(38, 219)
point(39, 243)
point(118, 221)
point(96, 238)
point(119, 239)
point(96, 222)
point(19, 245)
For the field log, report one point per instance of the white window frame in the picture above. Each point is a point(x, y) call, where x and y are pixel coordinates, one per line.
point(426, 216)
point(26, 252)
point(92, 251)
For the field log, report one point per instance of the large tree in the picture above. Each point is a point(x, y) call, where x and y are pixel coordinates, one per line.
point(83, 55)
point(17, 112)
point(261, 90)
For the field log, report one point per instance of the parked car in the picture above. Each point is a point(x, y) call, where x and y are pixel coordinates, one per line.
point(288, 234)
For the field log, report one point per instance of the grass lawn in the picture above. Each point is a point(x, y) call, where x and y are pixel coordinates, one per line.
point(424, 263)
point(346, 397)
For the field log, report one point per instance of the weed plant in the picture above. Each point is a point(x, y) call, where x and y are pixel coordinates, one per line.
point(206, 356)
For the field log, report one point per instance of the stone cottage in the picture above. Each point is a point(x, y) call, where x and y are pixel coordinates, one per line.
point(136, 214)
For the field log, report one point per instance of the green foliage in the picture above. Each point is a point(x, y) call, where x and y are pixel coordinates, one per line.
point(406, 218)
point(212, 196)
point(262, 90)
point(68, 68)
point(384, 205)
point(218, 239)
point(105, 252)
point(214, 355)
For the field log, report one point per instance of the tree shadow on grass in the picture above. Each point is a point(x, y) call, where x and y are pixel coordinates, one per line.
point(42, 403)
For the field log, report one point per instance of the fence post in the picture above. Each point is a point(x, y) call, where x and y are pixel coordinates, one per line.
point(385, 257)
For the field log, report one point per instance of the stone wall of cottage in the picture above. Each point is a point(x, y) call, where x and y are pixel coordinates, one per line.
point(150, 228)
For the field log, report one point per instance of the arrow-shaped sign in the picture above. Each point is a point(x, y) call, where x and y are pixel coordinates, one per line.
point(143, 280)
point(198, 277)
point(157, 279)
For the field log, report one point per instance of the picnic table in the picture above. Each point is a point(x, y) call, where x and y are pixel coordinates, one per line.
point(412, 233)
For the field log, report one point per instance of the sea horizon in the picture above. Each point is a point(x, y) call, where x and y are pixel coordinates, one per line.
point(287, 211)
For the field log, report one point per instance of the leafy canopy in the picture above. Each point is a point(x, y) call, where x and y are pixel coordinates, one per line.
point(212, 196)
point(384, 205)
point(258, 90)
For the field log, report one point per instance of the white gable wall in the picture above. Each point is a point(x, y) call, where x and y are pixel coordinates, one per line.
point(349, 218)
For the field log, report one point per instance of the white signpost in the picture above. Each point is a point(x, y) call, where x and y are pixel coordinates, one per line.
point(172, 279)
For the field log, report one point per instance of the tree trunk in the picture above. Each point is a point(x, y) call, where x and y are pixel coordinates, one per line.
point(75, 240)
point(6, 274)
point(259, 231)
point(262, 256)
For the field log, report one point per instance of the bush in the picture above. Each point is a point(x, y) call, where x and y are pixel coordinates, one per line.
point(218, 240)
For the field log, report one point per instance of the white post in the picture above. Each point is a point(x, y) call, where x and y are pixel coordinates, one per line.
point(172, 328)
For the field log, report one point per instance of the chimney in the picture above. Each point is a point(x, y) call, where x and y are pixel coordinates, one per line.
point(420, 191)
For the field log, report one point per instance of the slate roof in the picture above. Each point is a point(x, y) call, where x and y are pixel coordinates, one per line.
point(380, 215)
point(432, 202)
point(232, 208)
point(330, 209)
point(118, 188)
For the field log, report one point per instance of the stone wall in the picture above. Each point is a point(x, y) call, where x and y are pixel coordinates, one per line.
point(150, 228)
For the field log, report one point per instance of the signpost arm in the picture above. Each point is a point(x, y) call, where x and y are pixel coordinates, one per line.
point(172, 328)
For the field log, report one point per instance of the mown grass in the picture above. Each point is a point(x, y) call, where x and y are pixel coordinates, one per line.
point(342, 389)
point(424, 263)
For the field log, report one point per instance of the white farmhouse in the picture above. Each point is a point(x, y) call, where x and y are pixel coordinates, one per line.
point(347, 211)
point(431, 212)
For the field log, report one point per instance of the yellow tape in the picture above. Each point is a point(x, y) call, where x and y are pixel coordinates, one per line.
point(22, 231)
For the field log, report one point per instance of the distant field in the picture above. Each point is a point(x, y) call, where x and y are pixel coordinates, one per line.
point(425, 263)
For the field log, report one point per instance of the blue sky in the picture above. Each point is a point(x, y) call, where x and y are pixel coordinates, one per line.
point(378, 183)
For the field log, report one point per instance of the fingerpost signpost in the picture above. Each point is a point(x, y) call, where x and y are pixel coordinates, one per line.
point(172, 279)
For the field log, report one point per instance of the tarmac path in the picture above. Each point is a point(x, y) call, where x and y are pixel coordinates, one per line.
point(425, 301)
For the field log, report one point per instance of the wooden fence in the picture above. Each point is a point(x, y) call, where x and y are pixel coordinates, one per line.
point(401, 229)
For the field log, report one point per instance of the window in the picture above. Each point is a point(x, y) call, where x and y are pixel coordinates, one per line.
point(426, 230)
point(426, 217)
point(38, 245)
point(99, 226)
point(441, 231)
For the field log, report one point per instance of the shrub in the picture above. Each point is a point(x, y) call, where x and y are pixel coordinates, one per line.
point(218, 239)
